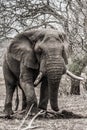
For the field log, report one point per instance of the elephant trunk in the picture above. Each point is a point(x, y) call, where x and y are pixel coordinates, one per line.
point(54, 72)
point(53, 94)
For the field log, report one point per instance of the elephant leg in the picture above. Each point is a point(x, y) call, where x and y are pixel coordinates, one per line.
point(44, 94)
point(8, 101)
point(24, 104)
point(11, 83)
point(27, 85)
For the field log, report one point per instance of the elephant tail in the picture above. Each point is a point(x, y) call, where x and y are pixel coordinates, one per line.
point(17, 99)
point(74, 76)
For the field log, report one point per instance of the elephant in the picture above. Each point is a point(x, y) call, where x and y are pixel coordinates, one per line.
point(33, 56)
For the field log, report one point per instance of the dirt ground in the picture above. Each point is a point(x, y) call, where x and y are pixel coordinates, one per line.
point(76, 104)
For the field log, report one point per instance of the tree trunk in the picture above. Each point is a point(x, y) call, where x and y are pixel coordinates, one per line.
point(75, 87)
point(75, 84)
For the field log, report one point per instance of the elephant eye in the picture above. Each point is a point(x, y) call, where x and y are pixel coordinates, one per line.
point(41, 37)
point(39, 51)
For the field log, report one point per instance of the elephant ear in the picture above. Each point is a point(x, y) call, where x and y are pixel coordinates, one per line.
point(64, 40)
point(22, 50)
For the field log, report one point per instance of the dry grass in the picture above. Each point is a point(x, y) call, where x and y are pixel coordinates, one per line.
point(76, 104)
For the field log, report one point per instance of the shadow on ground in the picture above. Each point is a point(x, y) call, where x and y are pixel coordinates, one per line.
point(47, 115)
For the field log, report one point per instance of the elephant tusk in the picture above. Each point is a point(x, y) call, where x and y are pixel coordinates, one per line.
point(39, 77)
point(74, 76)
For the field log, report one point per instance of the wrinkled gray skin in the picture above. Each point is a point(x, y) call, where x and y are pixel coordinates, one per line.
point(29, 53)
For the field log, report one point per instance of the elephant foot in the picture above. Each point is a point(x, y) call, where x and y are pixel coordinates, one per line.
point(31, 108)
point(50, 114)
point(42, 107)
point(55, 109)
point(25, 114)
point(8, 110)
point(31, 112)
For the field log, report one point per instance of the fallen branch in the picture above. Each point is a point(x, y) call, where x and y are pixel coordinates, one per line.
point(32, 120)
point(25, 117)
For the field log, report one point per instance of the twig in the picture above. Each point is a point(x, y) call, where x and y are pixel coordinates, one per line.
point(25, 117)
point(32, 120)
